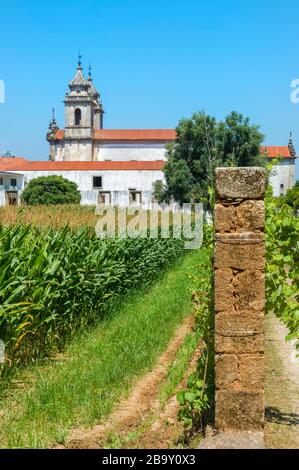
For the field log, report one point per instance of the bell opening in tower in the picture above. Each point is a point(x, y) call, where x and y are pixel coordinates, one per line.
point(77, 117)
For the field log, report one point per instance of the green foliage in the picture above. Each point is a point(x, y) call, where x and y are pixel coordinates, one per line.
point(197, 398)
point(196, 401)
point(292, 197)
point(100, 365)
point(51, 190)
point(202, 145)
point(282, 255)
point(54, 281)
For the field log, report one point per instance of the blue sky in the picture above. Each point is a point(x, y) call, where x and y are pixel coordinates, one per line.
point(153, 61)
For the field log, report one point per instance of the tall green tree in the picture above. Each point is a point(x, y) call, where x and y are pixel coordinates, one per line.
point(202, 145)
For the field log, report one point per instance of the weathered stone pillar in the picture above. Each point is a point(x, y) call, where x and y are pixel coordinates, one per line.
point(239, 298)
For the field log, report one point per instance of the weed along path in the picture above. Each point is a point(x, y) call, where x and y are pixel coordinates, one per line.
point(99, 369)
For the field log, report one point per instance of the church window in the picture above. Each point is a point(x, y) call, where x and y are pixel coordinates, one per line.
point(96, 182)
point(77, 117)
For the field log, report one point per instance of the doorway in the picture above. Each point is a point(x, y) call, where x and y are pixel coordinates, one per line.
point(12, 198)
point(105, 197)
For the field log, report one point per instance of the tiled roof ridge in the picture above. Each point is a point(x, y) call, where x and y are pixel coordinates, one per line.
point(20, 164)
point(128, 134)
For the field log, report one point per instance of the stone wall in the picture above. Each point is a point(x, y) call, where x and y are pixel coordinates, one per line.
point(239, 298)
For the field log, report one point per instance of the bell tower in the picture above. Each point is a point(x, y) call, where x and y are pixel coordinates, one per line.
point(83, 115)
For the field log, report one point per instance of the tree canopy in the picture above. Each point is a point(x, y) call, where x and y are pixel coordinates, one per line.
point(203, 144)
point(51, 190)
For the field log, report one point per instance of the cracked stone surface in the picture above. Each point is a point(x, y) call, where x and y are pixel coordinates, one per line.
point(240, 183)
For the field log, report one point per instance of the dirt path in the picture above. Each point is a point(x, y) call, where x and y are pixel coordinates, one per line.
point(165, 430)
point(142, 401)
point(282, 388)
point(140, 421)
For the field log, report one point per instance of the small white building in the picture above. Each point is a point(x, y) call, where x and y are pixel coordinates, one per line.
point(120, 183)
point(283, 173)
point(11, 184)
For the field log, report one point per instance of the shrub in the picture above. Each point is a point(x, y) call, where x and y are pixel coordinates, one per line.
point(292, 197)
point(51, 190)
point(282, 244)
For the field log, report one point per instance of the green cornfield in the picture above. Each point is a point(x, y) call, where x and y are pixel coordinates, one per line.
point(55, 281)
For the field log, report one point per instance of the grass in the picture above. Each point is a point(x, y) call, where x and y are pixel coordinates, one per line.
point(178, 368)
point(98, 367)
point(168, 388)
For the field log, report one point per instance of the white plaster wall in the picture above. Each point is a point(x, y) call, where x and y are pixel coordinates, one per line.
point(79, 151)
point(59, 152)
point(2, 198)
point(283, 173)
point(76, 150)
point(117, 182)
point(6, 177)
point(112, 180)
point(127, 151)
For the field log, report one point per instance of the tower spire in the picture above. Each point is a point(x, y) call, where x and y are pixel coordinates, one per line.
point(89, 71)
point(53, 127)
point(291, 146)
point(79, 66)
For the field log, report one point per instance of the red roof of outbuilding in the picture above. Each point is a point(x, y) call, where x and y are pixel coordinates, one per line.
point(20, 164)
point(129, 134)
point(276, 151)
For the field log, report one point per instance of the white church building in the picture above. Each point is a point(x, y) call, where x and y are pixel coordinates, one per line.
point(110, 166)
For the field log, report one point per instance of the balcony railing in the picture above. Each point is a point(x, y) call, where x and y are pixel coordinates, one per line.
point(9, 187)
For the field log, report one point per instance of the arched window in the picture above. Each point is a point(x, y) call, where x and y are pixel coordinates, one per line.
point(77, 117)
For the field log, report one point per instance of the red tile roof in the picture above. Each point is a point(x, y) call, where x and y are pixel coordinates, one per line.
point(60, 134)
point(20, 164)
point(276, 152)
point(129, 134)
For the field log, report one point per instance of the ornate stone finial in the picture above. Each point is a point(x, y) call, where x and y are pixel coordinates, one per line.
point(79, 60)
point(89, 71)
point(291, 146)
point(54, 124)
point(53, 127)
